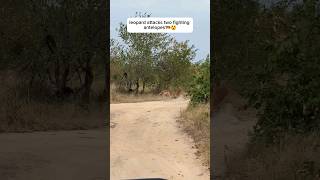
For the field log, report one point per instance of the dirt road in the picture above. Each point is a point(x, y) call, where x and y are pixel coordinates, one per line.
point(146, 142)
point(230, 132)
point(61, 155)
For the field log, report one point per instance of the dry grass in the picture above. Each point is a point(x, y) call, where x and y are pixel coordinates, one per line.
point(118, 97)
point(19, 113)
point(195, 121)
point(296, 158)
point(133, 98)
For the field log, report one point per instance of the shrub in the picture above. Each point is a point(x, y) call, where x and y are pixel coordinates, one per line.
point(199, 89)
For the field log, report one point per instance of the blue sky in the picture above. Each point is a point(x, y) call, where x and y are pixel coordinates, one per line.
point(199, 10)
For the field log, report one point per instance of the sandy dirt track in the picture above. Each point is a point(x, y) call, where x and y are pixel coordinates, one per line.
point(146, 142)
point(61, 155)
point(230, 132)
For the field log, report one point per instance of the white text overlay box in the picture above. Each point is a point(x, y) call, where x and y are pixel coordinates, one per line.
point(160, 25)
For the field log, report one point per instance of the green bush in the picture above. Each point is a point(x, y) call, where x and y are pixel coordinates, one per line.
point(289, 98)
point(274, 63)
point(199, 89)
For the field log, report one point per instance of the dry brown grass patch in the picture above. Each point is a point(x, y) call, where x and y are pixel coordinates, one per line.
point(295, 158)
point(23, 115)
point(133, 98)
point(126, 97)
point(195, 121)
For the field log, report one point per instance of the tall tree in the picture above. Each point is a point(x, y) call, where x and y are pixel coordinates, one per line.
point(141, 51)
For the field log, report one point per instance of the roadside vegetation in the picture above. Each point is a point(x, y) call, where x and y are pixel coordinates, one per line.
point(125, 97)
point(52, 65)
point(270, 55)
point(195, 120)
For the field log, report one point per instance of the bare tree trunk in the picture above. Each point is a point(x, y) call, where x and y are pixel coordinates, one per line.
point(65, 77)
point(137, 84)
point(107, 79)
point(88, 81)
point(57, 74)
point(143, 86)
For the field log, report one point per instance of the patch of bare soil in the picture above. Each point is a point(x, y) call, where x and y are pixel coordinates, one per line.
point(62, 155)
point(231, 124)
